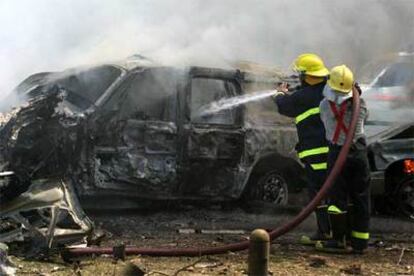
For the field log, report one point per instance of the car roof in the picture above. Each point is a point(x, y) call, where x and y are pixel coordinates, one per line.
point(247, 71)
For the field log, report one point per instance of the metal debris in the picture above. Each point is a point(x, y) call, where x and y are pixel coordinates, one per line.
point(7, 268)
point(39, 214)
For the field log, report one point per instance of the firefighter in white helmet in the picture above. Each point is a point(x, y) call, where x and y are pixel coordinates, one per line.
point(349, 200)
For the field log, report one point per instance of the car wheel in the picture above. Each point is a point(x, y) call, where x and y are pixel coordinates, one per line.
point(405, 197)
point(270, 187)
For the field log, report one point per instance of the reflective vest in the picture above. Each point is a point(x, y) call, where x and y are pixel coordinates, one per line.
point(303, 105)
point(339, 116)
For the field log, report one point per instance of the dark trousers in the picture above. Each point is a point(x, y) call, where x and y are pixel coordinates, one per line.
point(350, 192)
point(315, 180)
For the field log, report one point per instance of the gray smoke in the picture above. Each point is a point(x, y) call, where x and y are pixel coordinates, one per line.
point(47, 35)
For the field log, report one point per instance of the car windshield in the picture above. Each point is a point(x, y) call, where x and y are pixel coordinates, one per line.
point(398, 74)
point(149, 94)
point(83, 87)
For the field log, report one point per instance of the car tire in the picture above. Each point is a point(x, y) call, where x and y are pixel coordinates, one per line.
point(404, 196)
point(270, 187)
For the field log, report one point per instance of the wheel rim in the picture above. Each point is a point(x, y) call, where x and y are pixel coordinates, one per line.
point(275, 189)
point(406, 197)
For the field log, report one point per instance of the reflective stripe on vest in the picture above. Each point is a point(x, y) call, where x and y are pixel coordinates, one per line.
point(360, 235)
point(314, 151)
point(319, 166)
point(306, 114)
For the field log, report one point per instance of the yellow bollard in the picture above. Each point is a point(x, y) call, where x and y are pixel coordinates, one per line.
point(258, 253)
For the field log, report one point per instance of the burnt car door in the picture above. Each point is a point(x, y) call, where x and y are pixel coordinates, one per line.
point(213, 143)
point(135, 138)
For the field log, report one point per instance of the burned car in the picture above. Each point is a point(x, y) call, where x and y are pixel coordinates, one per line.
point(113, 136)
point(136, 133)
point(391, 156)
point(390, 126)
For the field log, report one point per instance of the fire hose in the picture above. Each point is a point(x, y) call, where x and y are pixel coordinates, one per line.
point(239, 246)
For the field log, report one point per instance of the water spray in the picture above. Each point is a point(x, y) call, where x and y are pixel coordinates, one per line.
point(229, 103)
point(239, 246)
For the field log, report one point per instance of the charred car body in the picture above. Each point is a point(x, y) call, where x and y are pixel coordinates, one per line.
point(135, 132)
point(138, 133)
point(391, 156)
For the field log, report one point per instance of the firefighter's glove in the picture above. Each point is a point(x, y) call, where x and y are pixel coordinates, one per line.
point(277, 94)
point(283, 87)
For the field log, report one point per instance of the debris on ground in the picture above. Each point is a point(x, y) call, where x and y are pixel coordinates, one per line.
point(286, 258)
point(7, 268)
point(352, 270)
point(131, 269)
point(316, 261)
point(46, 201)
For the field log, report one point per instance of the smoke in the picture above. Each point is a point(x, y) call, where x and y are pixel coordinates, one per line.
point(48, 35)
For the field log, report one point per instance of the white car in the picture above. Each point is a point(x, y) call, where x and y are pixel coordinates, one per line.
point(390, 96)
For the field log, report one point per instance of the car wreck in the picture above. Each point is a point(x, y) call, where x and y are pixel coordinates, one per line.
point(99, 134)
point(391, 156)
point(390, 128)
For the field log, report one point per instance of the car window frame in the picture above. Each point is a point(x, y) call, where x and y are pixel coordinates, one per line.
point(122, 86)
point(239, 111)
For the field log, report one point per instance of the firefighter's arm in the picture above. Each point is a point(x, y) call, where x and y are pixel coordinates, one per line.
point(288, 104)
point(364, 109)
point(323, 106)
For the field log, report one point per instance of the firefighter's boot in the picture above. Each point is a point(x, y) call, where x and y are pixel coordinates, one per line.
point(337, 244)
point(323, 232)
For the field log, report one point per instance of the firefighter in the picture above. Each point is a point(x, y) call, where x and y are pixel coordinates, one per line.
point(312, 149)
point(349, 200)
